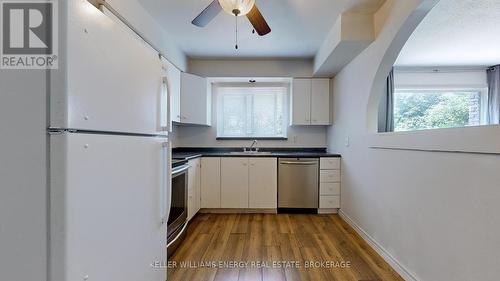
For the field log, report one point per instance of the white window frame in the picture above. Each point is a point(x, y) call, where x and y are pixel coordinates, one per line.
point(432, 89)
point(219, 105)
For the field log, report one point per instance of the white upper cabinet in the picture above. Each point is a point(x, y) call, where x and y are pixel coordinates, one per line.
point(301, 102)
point(173, 75)
point(114, 78)
point(320, 102)
point(310, 101)
point(234, 182)
point(195, 100)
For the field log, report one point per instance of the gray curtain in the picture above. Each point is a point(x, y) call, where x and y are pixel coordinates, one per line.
point(386, 107)
point(493, 74)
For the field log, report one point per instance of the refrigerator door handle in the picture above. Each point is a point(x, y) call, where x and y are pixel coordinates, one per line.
point(166, 183)
point(165, 123)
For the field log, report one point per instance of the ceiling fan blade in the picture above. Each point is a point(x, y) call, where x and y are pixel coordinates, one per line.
point(258, 21)
point(208, 14)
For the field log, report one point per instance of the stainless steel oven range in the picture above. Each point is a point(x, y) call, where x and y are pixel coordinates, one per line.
point(177, 219)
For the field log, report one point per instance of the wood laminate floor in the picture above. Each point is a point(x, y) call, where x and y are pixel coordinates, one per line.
point(255, 241)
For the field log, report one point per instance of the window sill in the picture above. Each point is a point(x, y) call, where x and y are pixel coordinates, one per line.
point(252, 138)
point(477, 139)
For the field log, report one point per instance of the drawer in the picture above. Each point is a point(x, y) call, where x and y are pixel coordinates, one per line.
point(329, 163)
point(329, 176)
point(329, 202)
point(329, 188)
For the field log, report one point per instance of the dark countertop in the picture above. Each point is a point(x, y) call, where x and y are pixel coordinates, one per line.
point(192, 153)
point(186, 155)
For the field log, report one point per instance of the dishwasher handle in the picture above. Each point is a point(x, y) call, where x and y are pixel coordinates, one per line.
point(299, 162)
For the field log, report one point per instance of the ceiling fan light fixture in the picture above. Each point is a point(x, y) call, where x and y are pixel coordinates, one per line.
point(243, 6)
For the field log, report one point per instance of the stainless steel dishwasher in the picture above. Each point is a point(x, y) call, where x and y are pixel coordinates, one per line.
point(298, 185)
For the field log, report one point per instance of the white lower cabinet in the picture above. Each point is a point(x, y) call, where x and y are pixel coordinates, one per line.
point(329, 202)
point(194, 187)
point(239, 183)
point(234, 182)
point(252, 183)
point(210, 182)
point(329, 175)
point(263, 183)
point(329, 186)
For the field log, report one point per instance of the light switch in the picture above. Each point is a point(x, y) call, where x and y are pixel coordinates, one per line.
point(347, 141)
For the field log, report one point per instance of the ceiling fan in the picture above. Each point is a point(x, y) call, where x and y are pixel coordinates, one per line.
point(236, 8)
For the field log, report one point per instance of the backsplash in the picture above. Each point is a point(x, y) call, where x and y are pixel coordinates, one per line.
point(298, 136)
point(266, 149)
point(173, 136)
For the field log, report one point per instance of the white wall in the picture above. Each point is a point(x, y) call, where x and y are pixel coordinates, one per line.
point(251, 68)
point(298, 136)
point(444, 78)
point(23, 188)
point(136, 15)
point(435, 213)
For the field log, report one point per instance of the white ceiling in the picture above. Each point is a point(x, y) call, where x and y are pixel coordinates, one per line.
point(456, 33)
point(298, 27)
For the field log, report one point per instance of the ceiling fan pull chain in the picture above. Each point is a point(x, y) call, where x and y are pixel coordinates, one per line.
point(236, 18)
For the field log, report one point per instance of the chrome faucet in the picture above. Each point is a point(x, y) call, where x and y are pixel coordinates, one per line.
point(254, 143)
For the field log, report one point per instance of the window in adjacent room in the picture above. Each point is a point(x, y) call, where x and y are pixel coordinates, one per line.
point(251, 111)
point(439, 108)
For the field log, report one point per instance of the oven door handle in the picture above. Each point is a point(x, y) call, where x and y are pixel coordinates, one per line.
point(178, 235)
point(178, 170)
point(166, 194)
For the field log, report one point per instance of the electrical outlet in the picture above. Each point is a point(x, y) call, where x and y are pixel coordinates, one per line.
point(347, 142)
point(295, 139)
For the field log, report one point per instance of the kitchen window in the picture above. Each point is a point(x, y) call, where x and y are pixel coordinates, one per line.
point(416, 109)
point(251, 111)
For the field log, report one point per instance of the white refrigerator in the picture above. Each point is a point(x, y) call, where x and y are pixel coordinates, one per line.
point(109, 153)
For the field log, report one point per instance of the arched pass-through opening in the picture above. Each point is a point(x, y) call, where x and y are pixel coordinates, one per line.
point(474, 139)
point(390, 58)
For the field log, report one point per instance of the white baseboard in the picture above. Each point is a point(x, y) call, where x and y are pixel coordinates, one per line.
point(237, 211)
point(328, 211)
point(395, 264)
